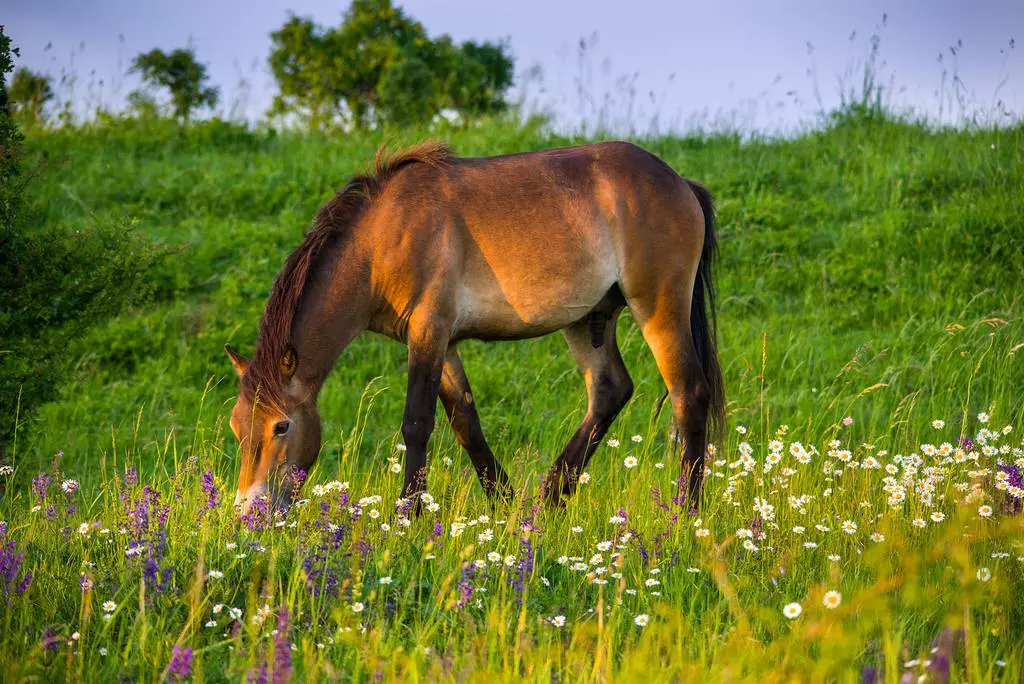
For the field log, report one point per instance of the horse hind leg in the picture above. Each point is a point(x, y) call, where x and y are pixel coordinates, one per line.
point(609, 387)
point(667, 333)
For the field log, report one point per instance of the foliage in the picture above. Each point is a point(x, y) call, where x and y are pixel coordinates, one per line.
point(379, 65)
point(56, 282)
point(183, 76)
point(29, 93)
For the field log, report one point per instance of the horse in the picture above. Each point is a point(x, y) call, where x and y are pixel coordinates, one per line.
point(430, 249)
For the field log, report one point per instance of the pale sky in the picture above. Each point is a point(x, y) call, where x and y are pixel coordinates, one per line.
point(740, 62)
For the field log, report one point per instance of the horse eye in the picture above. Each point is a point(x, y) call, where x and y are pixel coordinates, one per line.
point(282, 428)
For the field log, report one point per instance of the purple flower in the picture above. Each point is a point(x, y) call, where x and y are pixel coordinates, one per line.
point(282, 649)
point(10, 567)
point(465, 585)
point(259, 515)
point(209, 486)
point(41, 486)
point(51, 642)
point(257, 676)
point(180, 667)
point(147, 528)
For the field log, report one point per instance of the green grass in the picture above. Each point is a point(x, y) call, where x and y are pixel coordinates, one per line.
point(871, 269)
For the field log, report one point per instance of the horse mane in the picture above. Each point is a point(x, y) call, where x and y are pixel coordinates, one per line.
point(286, 294)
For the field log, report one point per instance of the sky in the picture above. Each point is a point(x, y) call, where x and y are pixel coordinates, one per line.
point(647, 65)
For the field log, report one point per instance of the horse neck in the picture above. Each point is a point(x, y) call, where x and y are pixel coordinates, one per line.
point(334, 309)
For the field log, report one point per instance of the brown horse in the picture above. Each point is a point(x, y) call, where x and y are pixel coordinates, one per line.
point(432, 249)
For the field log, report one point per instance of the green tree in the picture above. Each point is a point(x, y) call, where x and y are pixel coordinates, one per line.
point(29, 93)
point(380, 65)
point(183, 76)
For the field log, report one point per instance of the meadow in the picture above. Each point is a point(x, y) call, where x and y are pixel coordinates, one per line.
point(863, 514)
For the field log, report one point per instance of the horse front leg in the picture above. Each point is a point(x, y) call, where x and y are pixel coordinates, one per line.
point(427, 348)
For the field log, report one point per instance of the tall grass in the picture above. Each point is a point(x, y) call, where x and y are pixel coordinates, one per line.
point(870, 271)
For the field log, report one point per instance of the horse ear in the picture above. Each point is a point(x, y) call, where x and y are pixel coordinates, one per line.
point(237, 360)
point(288, 363)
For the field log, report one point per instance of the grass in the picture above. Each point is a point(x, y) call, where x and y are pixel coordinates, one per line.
point(869, 269)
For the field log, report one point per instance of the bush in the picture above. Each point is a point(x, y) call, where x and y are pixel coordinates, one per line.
point(56, 283)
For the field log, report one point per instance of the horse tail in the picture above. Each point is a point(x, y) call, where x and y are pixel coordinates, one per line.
point(703, 321)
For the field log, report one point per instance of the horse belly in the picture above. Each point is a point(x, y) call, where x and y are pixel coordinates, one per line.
point(517, 299)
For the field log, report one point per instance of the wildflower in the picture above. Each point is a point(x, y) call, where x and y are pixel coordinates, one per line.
point(6, 470)
point(832, 599)
point(385, 580)
point(261, 615)
point(918, 522)
point(211, 623)
point(558, 621)
point(83, 529)
point(215, 574)
point(985, 511)
point(792, 610)
point(396, 467)
point(235, 613)
point(616, 520)
point(938, 516)
point(630, 462)
point(651, 582)
point(209, 487)
point(109, 606)
point(103, 650)
point(641, 620)
point(938, 424)
point(613, 443)
point(180, 666)
point(834, 557)
point(983, 417)
point(604, 546)
point(357, 607)
point(576, 528)
point(584, 478)
point(984, 574)
point(217, 608)
point(749, 545)
point(877, 537)
point(849, 527)
point(848, 421)
point(702, 532)
point(659, 465)
point(741, 429)
point(69, 486)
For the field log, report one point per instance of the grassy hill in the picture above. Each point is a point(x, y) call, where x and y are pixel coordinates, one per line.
point(867, 498)
point(873, 253)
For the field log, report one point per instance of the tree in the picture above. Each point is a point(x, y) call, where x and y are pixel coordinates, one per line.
point(182, 75)
point(29, 93)
point(380, 65)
